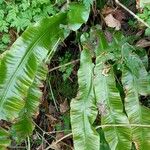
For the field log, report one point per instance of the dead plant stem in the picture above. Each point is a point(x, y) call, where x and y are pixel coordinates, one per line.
point(134, 15)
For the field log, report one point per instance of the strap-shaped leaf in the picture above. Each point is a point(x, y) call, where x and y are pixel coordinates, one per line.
point(77, 15)
point(24, 124)
point(135, 81)
point(4, 139)
point(83, 108)
point(109, 101)
point(18, 66)
point(34, 93)
point(20, 71)
point(111, 109)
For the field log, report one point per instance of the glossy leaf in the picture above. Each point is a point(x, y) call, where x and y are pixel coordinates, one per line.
point(87, 3)
point(21, 74)
point(136, 82)
point(18, 66)
point(121, 119)
point(83, 108)
point(109, 101)
point(111, 110)
point(77, 15)
point(24, 124)
point(103, 143)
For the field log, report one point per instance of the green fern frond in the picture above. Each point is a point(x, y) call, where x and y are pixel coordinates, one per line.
point(18, 66)
point(109, 101)
point(23, 127)
point(136, 82)
point(83, 107)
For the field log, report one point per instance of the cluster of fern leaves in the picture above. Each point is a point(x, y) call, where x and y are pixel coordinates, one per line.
point(113, 76)
point(19, 14)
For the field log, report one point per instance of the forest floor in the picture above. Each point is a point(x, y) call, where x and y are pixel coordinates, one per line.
point(53, 129)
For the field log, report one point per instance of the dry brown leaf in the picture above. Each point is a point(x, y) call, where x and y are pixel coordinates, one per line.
point(113, 17)
point(64, 107)
point(112, 22)
point(119, 15)
point(143, 43)
point(51, 118)
point(107, 10)
point(54, 144)
point(52, 109)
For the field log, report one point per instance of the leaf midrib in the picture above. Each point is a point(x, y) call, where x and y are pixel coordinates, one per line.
point(25, 57)
point(111, 112)
point(84, 111)
point(140, 111)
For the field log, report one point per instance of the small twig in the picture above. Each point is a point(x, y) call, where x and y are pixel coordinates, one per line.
point(52, 94)
point(48, 133)
point(67, 64)
point(39, 127)
point(29, 146)
point(134, 15)
point(43, 138)
point(66, 136)
point(53, 132)
point(102, 126)
point(52, 50)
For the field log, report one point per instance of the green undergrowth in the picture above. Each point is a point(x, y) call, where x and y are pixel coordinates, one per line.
point(17, 15)
point(69, 81)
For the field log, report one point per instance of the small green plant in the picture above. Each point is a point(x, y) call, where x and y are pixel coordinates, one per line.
point(66, 70)
point(145, 15)
point(18, 15)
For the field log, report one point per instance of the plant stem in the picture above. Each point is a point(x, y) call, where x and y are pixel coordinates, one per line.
point(29, 146)
point(54, 100)
point(134, 15)
point(67, 64)
point(66, 136)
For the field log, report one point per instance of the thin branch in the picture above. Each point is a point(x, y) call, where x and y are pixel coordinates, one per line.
point(66, 136)
point(53, 97)
point(39, 127)
point(43, 138)
point(60, 131)
point(103, 126)
point(48, 133)
point(49, 55)
point(134, 15)
point(29, 146)
point(67, 64)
